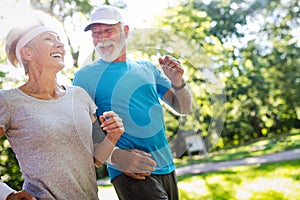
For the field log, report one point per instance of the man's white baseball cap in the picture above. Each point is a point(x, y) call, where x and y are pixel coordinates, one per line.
point(104, 14)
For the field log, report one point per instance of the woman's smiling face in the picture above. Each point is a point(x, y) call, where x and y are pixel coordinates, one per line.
point(48, 50)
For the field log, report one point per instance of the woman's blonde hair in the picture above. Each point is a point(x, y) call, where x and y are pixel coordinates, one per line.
point(13, 38)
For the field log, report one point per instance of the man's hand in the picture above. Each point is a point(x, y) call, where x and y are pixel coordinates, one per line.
point(20, 195)
point(172, 68)
point(134, 163)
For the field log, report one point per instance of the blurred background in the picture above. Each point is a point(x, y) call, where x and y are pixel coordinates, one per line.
point(241, 61)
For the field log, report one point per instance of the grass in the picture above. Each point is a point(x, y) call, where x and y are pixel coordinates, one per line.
point(260, 147)
point(271, 181)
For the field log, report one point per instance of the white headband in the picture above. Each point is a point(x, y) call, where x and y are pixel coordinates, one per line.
point(28, 37)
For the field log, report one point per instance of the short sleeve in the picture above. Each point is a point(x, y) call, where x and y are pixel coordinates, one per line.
point(91, 104)
point(78, 80)
point(81, 81)
point(162, 82)
point(4, 113)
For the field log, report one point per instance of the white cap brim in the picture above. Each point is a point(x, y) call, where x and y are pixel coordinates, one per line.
point(106, 21)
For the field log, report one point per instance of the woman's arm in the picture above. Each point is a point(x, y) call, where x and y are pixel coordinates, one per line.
point(5, 190)
point(112, 124)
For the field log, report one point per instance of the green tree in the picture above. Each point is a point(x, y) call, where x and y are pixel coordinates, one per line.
point(258, 65)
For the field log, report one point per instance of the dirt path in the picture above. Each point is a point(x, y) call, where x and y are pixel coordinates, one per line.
point(215, 166)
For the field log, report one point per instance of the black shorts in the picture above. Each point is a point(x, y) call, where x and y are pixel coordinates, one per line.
point(154, 187)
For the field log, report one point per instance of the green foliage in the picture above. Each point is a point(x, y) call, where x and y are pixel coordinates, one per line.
point(2, 60)
point(71, 13)
point(262, 195)
point(260, 67)
point(101, 172)
point(279, 180)
point(9, 168)
point(61, 9)
point(2, 75)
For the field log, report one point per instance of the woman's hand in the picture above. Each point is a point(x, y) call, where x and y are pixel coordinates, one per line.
point(113, 125)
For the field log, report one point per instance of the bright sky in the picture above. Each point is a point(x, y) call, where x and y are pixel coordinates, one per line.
point(139, 14)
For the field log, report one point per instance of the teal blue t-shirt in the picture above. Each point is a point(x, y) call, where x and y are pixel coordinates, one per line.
point(132, 89)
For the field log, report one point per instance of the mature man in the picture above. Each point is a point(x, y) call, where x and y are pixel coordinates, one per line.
point(133, 89)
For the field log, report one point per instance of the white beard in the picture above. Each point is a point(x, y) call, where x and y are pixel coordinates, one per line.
point(110, 56)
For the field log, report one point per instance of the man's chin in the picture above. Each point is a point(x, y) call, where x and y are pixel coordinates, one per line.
point(105, 57)
point(108, 59)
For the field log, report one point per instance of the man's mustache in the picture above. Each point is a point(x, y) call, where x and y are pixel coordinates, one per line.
point(105, 43)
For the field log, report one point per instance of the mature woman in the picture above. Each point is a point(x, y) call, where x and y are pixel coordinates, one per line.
point(49, 126)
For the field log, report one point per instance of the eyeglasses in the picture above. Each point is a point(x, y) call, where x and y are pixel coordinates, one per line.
point(107, 33)
point(96, 34)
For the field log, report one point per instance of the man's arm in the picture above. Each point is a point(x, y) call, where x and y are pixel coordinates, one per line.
point(179, 99)
point(134, 163)
point(179, 96)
